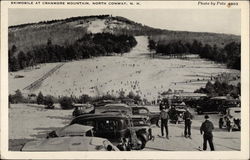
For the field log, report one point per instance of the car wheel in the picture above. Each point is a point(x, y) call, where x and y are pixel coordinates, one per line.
point(229, 128)
point(239, 126)
point(142, 141)
point(158, 123)
point(220, 123)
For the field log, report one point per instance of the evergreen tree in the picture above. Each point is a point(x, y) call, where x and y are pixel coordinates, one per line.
point(84, 98)
point(195, 47)
point(131, 95)
point(66, 103)
point(48, 100)
point(40, 98)
point(18, 96)
point(13, 64)
point(151, 45)
point(22, 60)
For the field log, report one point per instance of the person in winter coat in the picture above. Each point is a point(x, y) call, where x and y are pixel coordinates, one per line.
point(207, 128)
point(188, 121)
point(164, 122)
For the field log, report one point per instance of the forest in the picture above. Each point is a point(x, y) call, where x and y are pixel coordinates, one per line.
point(90, 45)
point(219, 88)
point(230, 54)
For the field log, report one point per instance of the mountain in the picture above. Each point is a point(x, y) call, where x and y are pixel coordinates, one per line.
point(25, 37)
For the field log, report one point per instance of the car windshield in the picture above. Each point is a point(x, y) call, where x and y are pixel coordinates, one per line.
point(140, 111)
point(138, 122)
point(108, 125)
point(85, 122)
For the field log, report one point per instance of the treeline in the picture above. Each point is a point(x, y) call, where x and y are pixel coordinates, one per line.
point(229, 54)
point(220, 89)
point(90, 45)
point(67, 101)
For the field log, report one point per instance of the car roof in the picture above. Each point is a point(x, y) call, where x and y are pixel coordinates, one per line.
point(72, 129)
point(77, 143)
point(235, 108)
point(117, 104)
point(139, 107)
point(106, 115)
point(138, 116)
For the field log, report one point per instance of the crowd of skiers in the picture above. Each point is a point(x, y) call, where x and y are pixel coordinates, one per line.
point(205, 129)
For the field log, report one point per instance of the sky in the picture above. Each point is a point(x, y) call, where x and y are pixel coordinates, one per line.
point(198, 20)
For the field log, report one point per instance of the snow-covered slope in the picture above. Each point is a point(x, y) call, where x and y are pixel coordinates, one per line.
point(134, 71)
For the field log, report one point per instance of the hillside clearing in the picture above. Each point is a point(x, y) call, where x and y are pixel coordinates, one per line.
point(134, 71)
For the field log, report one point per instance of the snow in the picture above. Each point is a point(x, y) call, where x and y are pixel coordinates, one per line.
point(30, 75)
point(33, 121)
point(134, 71)
point(96, 26)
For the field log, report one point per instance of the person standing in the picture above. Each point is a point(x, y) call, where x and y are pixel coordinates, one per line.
point(207, 127)
point(188, 121)
point(164, 122)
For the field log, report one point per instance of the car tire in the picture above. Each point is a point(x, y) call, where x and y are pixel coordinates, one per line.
point(220, 123)
point(229, 128)
point(143, 142)
point(239, 126)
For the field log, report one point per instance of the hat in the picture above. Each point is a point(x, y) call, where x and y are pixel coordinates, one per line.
point(206, 116)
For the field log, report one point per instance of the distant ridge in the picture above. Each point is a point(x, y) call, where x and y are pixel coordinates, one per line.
point(61, 31)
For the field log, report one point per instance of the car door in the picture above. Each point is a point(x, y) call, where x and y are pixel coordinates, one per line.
point(107, 128)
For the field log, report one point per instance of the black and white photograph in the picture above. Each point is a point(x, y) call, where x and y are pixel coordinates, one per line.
point(124, 79)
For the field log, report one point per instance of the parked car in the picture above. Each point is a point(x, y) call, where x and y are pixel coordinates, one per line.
point(232, 119)
point(176, 113)
point(72, 130)
point(103, 103)
point(165, 103)
point(77, 143)
point(117, 106)
point(228, 103)
point(208, 105)
point(117, 128)
point(142, 127)
point(153, 117)
point(81, 109)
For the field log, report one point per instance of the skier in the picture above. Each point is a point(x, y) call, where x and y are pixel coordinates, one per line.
point(188, 121)
point(207, 127)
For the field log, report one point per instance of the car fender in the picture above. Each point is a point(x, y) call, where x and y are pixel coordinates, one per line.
point(143, 134)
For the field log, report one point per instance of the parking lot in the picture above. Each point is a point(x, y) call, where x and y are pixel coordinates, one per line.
point(48, 120)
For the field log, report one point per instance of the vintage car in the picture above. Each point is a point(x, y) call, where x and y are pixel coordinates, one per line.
point(72, 130)
point(103, 103)
point(117, 106)
point(232, 119)
point(153, 117)
point(228, 103)
point(81, 109)
point(165, 103)
point(208, 105)
point(76, 143)
point(176, 113)
point(118, 129)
